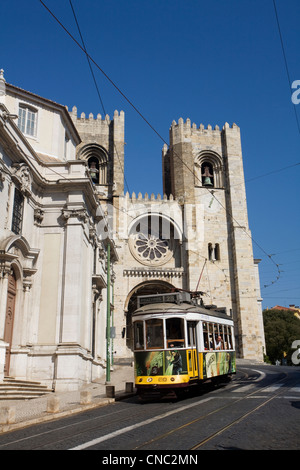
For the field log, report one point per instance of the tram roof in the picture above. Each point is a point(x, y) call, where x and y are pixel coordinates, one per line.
point(181, 308)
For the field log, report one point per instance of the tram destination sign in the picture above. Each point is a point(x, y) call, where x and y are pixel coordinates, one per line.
point(175, 297)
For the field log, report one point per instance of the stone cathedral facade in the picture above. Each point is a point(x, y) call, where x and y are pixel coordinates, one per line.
point(193, 236)
point(76, 250)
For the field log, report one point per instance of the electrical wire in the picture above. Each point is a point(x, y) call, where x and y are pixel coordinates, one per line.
point(157, 133)
point(96, 85)
point(102, 71)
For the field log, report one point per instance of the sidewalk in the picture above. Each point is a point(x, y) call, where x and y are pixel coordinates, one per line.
point(15, 414)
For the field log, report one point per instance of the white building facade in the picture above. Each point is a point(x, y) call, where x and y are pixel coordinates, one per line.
point(53, 285)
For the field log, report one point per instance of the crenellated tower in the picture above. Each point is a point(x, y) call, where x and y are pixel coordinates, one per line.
point(203, 168)
point(102, 147)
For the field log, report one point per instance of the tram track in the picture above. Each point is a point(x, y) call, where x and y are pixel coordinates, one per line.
point(118, 424)
point(155, 407)
point(207, 415)
point(236, 421)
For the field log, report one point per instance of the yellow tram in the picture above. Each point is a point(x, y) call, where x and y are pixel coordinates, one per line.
point(179, 343)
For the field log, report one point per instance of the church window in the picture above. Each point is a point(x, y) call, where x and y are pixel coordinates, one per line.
point(209, 170)
point(97, 163)
point(151, 248)
point(207, 174)
point(214, 252)
point(151, 240)
point(17, 217)
point(27, 121)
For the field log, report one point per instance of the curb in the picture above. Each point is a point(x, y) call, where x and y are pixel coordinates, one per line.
point(46, 417)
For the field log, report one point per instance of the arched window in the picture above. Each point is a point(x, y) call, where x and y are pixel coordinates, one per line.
point(209, 170)
point(97, 160)
point(214, 252)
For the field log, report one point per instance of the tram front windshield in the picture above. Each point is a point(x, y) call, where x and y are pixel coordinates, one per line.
point(150, 333)
point(154, 334)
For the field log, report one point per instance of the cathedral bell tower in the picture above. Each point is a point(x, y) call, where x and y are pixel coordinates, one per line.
point(203, 170)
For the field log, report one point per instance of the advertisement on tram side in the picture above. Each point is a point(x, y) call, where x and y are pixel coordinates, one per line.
point(219, 363)
point(172, 362)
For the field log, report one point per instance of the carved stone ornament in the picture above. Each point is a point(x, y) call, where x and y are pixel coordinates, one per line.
point(158, 273)
point(38, 216)
point(80, 214)
point(92, 234)
point(23, 175)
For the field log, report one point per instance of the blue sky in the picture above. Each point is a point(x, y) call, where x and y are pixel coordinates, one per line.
point(213, 62)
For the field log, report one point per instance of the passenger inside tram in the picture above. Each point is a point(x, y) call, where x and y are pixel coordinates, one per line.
point(216, 337)
point(219, 343)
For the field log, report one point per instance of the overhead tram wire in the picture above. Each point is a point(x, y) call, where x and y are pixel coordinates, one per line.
point(88, 59)
point(101, 100)
point(95, 82)
point(285, 61)
point(269, 173)
point(103, 108)
point(156, 132)
point(102, 71)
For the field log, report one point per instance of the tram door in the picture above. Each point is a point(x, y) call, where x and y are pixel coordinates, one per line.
point(192, 349)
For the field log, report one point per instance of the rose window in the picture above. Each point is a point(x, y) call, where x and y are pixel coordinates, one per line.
point(149, 249)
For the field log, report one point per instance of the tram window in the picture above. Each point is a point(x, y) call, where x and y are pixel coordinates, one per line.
point(139, 335)
point(214, 328)
point(205, 336)
point(210, 336)
point(218, 337)
point(175, 332)
point(191, 334)
point(228, 337)
point(226, 342)
point(216, 333)
point(154, 334)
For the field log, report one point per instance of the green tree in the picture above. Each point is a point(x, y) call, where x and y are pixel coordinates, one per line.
point(281, 329)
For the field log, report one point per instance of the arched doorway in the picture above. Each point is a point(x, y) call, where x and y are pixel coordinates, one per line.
point(145, 288)
point(9, 318)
